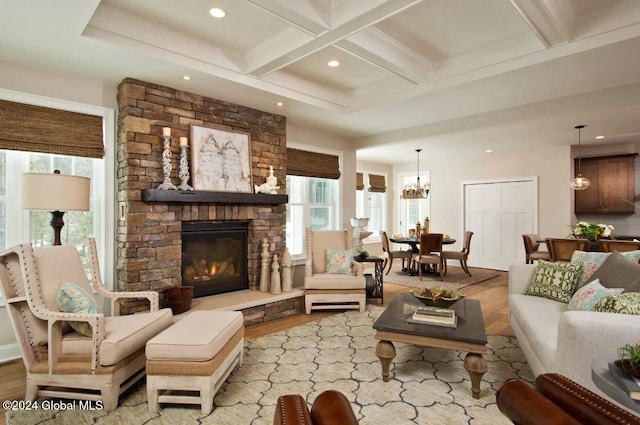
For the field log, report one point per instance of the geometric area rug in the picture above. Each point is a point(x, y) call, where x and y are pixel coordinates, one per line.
point(426, 385)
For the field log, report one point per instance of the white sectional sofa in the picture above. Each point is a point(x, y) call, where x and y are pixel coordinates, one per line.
point(556, 340)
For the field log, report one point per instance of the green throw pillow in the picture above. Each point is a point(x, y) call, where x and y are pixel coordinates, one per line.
point(627, 303)
point(339, 261)
point(556, 281)
point(73, 299)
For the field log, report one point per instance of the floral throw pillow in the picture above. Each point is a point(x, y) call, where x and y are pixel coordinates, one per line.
point(73, 299)
point(627, 303)
point(587, 296)
point(591, 260)
point(339, 261)
point(556, 281)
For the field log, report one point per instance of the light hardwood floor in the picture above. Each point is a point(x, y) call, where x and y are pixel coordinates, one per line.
point(492, 295)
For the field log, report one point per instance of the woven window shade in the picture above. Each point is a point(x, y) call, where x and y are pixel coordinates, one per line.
point(377, 184)
point(38, 129)
point(359, 181)
point(312, 164)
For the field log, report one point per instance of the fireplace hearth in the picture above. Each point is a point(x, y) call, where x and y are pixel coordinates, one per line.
point(214, 257)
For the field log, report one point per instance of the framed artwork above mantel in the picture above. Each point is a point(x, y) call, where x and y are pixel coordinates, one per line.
point(220, 159)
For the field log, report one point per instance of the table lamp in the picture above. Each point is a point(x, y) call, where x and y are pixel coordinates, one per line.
point(56, 193)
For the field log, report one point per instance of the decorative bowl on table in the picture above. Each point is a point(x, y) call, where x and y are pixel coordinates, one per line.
point(437, 296)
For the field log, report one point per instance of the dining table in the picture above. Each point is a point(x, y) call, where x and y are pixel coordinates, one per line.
point(413, 243)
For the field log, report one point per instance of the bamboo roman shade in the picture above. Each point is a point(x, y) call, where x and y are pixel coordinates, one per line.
point(38, 129)
point(312, 164)
point(377, 183)
point(359, 181)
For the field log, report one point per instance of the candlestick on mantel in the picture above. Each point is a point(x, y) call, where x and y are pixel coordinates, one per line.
point(184, 166)
point(183, 141)
point(166, 160)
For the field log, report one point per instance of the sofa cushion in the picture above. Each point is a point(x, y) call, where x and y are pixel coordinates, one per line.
point(617, 272)
point(538, 318)
point(73, 299)
point(587, 296)
point(339, 261)
point(124, 335)
point(555, 281)
point(593, 260)
point(628, 303)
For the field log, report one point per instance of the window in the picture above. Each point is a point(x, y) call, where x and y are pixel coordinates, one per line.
point(17, 225)
point(374, 206)
point(313, 202)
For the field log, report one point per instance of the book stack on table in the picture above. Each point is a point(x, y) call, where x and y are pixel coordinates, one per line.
point(434, 316)
point(628, 383)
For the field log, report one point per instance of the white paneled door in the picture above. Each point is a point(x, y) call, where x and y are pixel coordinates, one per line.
point(498, 213)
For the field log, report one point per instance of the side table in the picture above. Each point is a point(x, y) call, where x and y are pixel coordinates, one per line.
point(608, 385)
point(376, 290)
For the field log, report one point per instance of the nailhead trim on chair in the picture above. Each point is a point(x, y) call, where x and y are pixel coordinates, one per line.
point(560, 381)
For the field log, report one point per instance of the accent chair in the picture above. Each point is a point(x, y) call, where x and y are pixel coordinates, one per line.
point(561, 249)
point(429, 253)
point(620, 246)
point(531, 248)
point(459, 255)
point(392, 255)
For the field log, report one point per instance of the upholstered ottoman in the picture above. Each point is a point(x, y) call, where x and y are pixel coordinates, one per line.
point(196, 354)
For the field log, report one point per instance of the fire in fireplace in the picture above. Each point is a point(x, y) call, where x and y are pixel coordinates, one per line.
point(214, 257)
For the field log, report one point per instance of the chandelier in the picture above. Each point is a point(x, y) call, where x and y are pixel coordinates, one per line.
point(579, 182)
point(416, 191)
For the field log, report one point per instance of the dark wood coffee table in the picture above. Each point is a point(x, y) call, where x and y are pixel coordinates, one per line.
point(470, 335)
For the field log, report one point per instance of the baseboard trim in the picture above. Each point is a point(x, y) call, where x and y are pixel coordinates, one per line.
point(9, 352)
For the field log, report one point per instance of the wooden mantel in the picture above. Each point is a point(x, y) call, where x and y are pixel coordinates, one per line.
point(204, 196)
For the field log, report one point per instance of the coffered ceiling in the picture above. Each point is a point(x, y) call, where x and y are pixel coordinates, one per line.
point(452, 76)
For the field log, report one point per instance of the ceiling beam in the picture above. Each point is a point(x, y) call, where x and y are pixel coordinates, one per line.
point(269, 61)
point(299, 14)
point(550, 20)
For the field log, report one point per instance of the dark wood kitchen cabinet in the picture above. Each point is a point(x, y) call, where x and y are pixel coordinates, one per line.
point(612, 185)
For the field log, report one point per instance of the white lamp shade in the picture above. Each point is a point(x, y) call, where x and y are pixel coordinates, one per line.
point(54, 192)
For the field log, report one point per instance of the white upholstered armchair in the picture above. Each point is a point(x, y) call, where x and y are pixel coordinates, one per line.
point(62, 362)
point(327, 288)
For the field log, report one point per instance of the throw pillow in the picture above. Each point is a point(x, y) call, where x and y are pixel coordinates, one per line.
point(556, 281)
point(591, 260)
point(73, 299)
point(628, 303)
point(587, 296)
point(616, 272)
point(339, 261)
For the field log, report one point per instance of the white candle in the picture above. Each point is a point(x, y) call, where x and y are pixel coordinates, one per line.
point(166, 131)
point(183, 141)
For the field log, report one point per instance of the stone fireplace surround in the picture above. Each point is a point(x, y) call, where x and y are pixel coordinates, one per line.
point(148, 233)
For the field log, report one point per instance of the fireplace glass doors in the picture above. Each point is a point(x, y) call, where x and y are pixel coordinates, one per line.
point(214, 257)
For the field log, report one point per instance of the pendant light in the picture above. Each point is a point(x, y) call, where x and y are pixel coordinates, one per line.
point(579, 182)
point(416, 191)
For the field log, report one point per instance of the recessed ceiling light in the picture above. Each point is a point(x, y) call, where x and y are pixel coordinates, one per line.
point(216, 12)
point(279, 104)
point(186, 77)
point(599, 137)
point(489, 150)
point(333, 63)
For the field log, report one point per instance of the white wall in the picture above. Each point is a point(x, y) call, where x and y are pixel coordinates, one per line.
point(551, 165)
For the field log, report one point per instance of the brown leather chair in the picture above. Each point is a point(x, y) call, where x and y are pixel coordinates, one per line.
point(329, 408)
point(561, 249)
point(459, 255)
point(429, 253)
point(620, 246)
point(531, 246)
point(392, 255)
point(557, 400)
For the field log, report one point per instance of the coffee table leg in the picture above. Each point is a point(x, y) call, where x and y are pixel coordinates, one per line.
point(385, 352)
point(476, 366)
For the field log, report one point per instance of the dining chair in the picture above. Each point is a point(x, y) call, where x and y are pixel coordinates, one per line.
point(429, 253)
point(393, 254)
point(531, 246)
point(459, 255)
point(620, 246)
point(561, 249)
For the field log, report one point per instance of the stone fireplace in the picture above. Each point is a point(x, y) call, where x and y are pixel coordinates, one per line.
point(151, 222)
